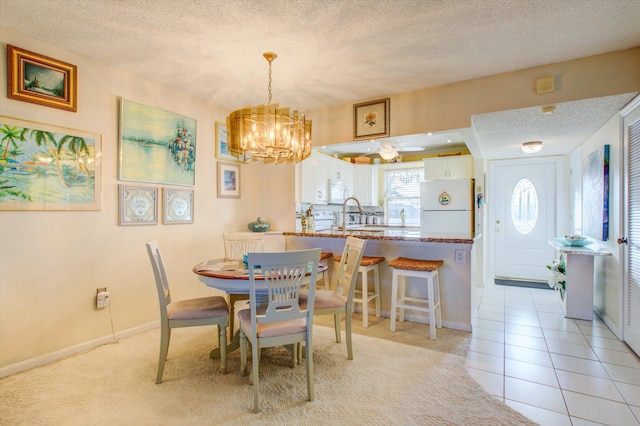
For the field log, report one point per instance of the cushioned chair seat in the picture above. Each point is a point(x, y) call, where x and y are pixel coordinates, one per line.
point(271, 329)
point(205, 307)
point(324, 299)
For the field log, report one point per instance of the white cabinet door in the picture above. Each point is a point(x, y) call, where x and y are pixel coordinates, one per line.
point(362, 183)
point(313, 179)
point(458, 167)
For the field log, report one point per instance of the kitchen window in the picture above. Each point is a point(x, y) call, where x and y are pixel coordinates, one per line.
point(402, 192)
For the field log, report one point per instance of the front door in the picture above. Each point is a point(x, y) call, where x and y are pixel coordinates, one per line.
point(523, 216)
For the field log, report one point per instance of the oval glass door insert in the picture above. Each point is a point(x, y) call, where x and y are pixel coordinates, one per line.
point(524, 206)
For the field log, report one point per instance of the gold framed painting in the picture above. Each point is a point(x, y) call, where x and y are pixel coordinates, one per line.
point(228, 180)
point(371, 119)
point(41, 80)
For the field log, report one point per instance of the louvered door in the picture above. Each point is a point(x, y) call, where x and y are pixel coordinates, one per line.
point(632, 211)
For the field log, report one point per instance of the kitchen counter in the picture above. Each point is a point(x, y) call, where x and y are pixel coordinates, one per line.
point(391, 233)
point(460, 275)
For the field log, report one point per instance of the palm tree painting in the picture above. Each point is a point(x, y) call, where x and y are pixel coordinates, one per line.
point(45, 167)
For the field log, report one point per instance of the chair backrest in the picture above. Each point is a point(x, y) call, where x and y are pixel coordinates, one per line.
point(237, 245)
point(160, 275)
point(284, 273)
point(349, 265)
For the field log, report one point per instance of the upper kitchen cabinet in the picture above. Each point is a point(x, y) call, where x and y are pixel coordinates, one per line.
point(313, 179)
point(454, 167)
point(363, 184)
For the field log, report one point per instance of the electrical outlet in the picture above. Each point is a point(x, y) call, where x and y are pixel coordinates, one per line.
point(460, 257)
point(102, 298)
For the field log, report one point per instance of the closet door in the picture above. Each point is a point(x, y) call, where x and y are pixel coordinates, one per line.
point(631, 239)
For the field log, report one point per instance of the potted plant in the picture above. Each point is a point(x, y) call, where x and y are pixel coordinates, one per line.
point(557, 275)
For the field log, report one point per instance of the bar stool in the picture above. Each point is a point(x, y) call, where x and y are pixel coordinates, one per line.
point(368, 264)
point(325, 275)
point(428, 269)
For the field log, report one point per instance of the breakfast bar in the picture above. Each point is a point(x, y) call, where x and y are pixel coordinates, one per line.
point(459, 275)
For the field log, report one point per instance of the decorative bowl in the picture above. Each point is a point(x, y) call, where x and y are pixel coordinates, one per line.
point(259, 226)
point(574, 242)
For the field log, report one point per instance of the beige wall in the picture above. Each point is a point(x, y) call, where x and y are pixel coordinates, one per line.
point(52, 262)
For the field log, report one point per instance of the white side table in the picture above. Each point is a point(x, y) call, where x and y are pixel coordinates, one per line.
point(578, 297)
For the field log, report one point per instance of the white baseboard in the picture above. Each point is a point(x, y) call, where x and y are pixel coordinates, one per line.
point(73, 350)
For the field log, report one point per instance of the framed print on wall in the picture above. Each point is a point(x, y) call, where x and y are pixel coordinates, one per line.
point(177, 206)
point(138, 205)
point(222, 151)
point(45, 167)
point(41, 80)
point(156, 145)
point(371, 119)
point(228, 180)
point(595, 202)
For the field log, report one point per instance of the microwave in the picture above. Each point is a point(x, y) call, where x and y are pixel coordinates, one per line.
point(338, 191)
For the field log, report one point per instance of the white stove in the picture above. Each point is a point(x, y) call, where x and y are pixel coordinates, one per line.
point(323, 220)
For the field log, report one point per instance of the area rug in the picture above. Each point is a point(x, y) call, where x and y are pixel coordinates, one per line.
point(523, 283)
point(386, 384)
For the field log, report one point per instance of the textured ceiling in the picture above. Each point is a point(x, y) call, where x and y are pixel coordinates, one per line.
point(330, 52)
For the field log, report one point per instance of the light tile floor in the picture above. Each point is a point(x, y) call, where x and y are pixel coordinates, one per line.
point(554, 370)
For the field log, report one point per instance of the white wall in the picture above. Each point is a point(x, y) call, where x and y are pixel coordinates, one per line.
point(51, 262)
point(608, 269)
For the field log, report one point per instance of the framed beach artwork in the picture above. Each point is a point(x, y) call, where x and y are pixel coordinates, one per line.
point(371, 119)
point(595, 201)
point(38, 79)
point(222, 151)
point(138, 205)
point(156, 145)
point(177, 206)
point(228, 180)
point(45, 167)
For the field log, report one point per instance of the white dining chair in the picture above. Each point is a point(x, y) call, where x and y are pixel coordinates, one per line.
point(212, 310)
point(274, 316)
point(237, 244)
point(340, 301)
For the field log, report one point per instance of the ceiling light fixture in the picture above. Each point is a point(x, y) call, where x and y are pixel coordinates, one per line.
point(388, 152)
point(532, 146)
point(269, 132)
point(549, 109)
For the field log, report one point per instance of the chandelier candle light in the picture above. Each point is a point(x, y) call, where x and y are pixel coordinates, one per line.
point(269, 132)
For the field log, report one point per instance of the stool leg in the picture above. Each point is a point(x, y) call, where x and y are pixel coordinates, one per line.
point(438, 300)
point(402, 283)
point(394, 300)
point(432, 310)
point(365, 297)
point(376, 283)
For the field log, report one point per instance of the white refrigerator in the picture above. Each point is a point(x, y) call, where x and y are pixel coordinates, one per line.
point(447, 206)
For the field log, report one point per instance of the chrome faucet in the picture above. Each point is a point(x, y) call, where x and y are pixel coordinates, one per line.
point(344, 212)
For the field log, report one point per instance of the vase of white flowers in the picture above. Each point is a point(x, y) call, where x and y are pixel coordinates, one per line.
point(557, 275)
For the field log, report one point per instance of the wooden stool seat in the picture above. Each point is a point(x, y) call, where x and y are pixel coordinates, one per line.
point(404, 268)
point(325, 255)
point(368, 264)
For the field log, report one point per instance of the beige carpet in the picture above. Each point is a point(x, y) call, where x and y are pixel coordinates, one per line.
point(386, 383)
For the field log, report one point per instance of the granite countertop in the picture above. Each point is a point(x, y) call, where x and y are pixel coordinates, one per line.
point(391, 233)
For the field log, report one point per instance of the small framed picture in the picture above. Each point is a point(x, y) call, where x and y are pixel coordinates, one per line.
point(177, 206)
point(222, 147)
point(138, 205)
point(228, 180)
point(371, 119)
point(38, 79)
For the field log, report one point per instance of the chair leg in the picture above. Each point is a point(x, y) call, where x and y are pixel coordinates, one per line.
point(243, 353)
point(394, 301)
point(309, 365)
point(222, 331)
point(336, 325)
point(365, 297)
point(165, 336)
point(254, 374)
point(347, 322)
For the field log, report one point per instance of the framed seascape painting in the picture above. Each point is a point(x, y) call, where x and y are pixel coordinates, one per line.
point(371, 119)
point(228, 180)
point(38, 79)
point(595, 202)
point(138, 205)
point(156, 145)
point(222, 151)
point(177, 206)
point(44, 167)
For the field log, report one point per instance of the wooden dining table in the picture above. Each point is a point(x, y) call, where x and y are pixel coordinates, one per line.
point(231, 276)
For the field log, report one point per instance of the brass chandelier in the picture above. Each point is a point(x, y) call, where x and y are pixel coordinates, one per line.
point(269, 132)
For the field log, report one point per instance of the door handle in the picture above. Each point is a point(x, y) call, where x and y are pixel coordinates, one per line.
point(623, 240)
